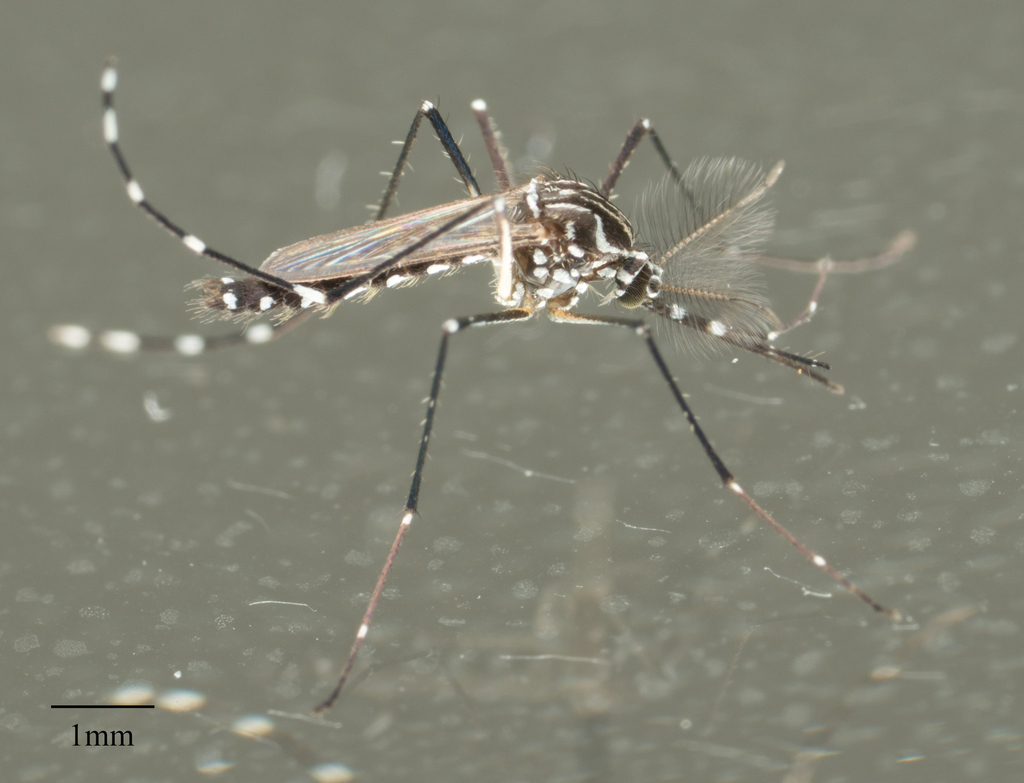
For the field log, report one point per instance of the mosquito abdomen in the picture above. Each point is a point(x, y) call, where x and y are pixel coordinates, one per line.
point(245, 295)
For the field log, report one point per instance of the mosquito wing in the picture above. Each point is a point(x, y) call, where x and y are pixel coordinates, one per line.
point(355, 251)
point(703, 230)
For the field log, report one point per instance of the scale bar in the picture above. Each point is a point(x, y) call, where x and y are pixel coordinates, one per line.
point(102, 706)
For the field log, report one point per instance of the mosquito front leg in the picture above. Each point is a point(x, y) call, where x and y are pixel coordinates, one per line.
point(900, 244)
point(636, 134)
point(726, 476)
point(410, 511)
point(492, 140)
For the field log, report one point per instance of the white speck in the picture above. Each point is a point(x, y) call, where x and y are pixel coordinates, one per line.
point(434, 269)
point(983, 535)
point(451, 326)
point(880, 444)
point(331, 772)
point(676, 312)
point(330, 172)
point(717, 328)
point(355, 291)
point(230, 301)
point(227, 280)
point(545, 293)
point(396, 280)
point(181, 700)
point(473, 259)
point(189, 344)
point(132, 693)
point(120, 342)
point(266, 302)
point(975, 488)
point(531, 198)
point(135, 191)
point(541, 273)
point(562, 276)
point(310, 295)
point(70, 336)
point(850, 516)
point(539, 258)
point(614, 604)
point(194, 243)
point(999, 343)
point(525, 590)
point(576, 251)
point(70, 648)
point(479, 105)
point(820, 561)
point(253, 726)
point(624, 276)
point(447, 544)
point(582, 288)
point(807, 662)
point(153, 409)
point(426, 106)
point(259, 333)
point(108, 81)
point(110, 126)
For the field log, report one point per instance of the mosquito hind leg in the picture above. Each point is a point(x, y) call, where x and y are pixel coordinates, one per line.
point(111, 136)
point(125, 342)
point(492, 140)
point(451, 147)
point(78, 337)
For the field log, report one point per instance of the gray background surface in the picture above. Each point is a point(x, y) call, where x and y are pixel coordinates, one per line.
point(133, 550)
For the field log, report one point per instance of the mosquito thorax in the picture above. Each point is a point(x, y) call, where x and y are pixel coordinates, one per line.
point(588, 239)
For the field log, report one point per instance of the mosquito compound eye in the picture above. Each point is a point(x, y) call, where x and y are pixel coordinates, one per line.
point(636, 291)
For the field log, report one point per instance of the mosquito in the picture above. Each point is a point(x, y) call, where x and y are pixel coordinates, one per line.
point(692, 263)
